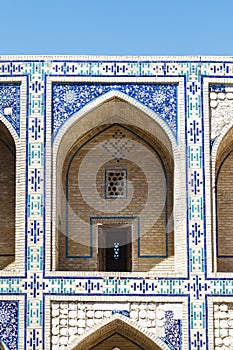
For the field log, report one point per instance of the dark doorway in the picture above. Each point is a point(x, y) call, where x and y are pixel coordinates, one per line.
point(115, 248)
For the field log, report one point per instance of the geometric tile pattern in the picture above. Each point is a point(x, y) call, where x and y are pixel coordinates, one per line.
point(198, 285)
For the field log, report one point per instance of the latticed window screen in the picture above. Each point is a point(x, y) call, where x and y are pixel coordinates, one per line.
point(116, 183)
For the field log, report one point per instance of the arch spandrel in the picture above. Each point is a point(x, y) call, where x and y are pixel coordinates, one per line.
point(160, 106)
point(107, 109)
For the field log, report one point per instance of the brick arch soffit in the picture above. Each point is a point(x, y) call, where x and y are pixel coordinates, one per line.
point(165, 167)
point(163, 160)
point(10, 130)
point(11, 138)
point(123, 326)
point(223, 149)
point(3, 345)
point(217, 144)
point(223, 160)
point(88, 109)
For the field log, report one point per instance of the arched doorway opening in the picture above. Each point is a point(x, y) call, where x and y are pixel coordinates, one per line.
point(118, 198)
point(81, 138)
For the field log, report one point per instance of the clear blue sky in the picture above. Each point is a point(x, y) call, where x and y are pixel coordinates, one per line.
point(116, 27)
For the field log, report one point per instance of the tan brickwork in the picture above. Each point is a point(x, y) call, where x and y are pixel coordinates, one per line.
point(153, 228)
point(224, 203)
point(7, 198)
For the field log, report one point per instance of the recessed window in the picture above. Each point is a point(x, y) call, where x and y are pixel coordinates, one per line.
point(116, 183)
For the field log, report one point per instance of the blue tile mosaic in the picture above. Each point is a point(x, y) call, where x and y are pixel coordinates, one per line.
point(217, 88)
point(121, 312)
point(9, 324)
point(198, 342)
point(10, 104)
point(71, 98)
point(173, 331)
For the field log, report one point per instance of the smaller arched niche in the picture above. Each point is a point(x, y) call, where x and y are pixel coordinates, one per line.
point(224, 203)
point(115, 201)
point(117, 334)
point(7, 197)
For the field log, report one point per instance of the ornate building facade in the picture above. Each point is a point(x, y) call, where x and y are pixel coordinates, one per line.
point(116, 203)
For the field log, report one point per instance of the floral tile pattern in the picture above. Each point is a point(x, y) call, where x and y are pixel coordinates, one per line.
point(70, 98)
point(10, 104)
point(173, 331)
point(9, 324)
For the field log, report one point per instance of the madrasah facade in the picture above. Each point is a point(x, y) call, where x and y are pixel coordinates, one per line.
point(116, 177)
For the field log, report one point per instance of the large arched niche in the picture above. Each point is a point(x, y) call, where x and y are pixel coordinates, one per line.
point(118, 333)
point(7, 197)
point(223, 204)
point(84, 127)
